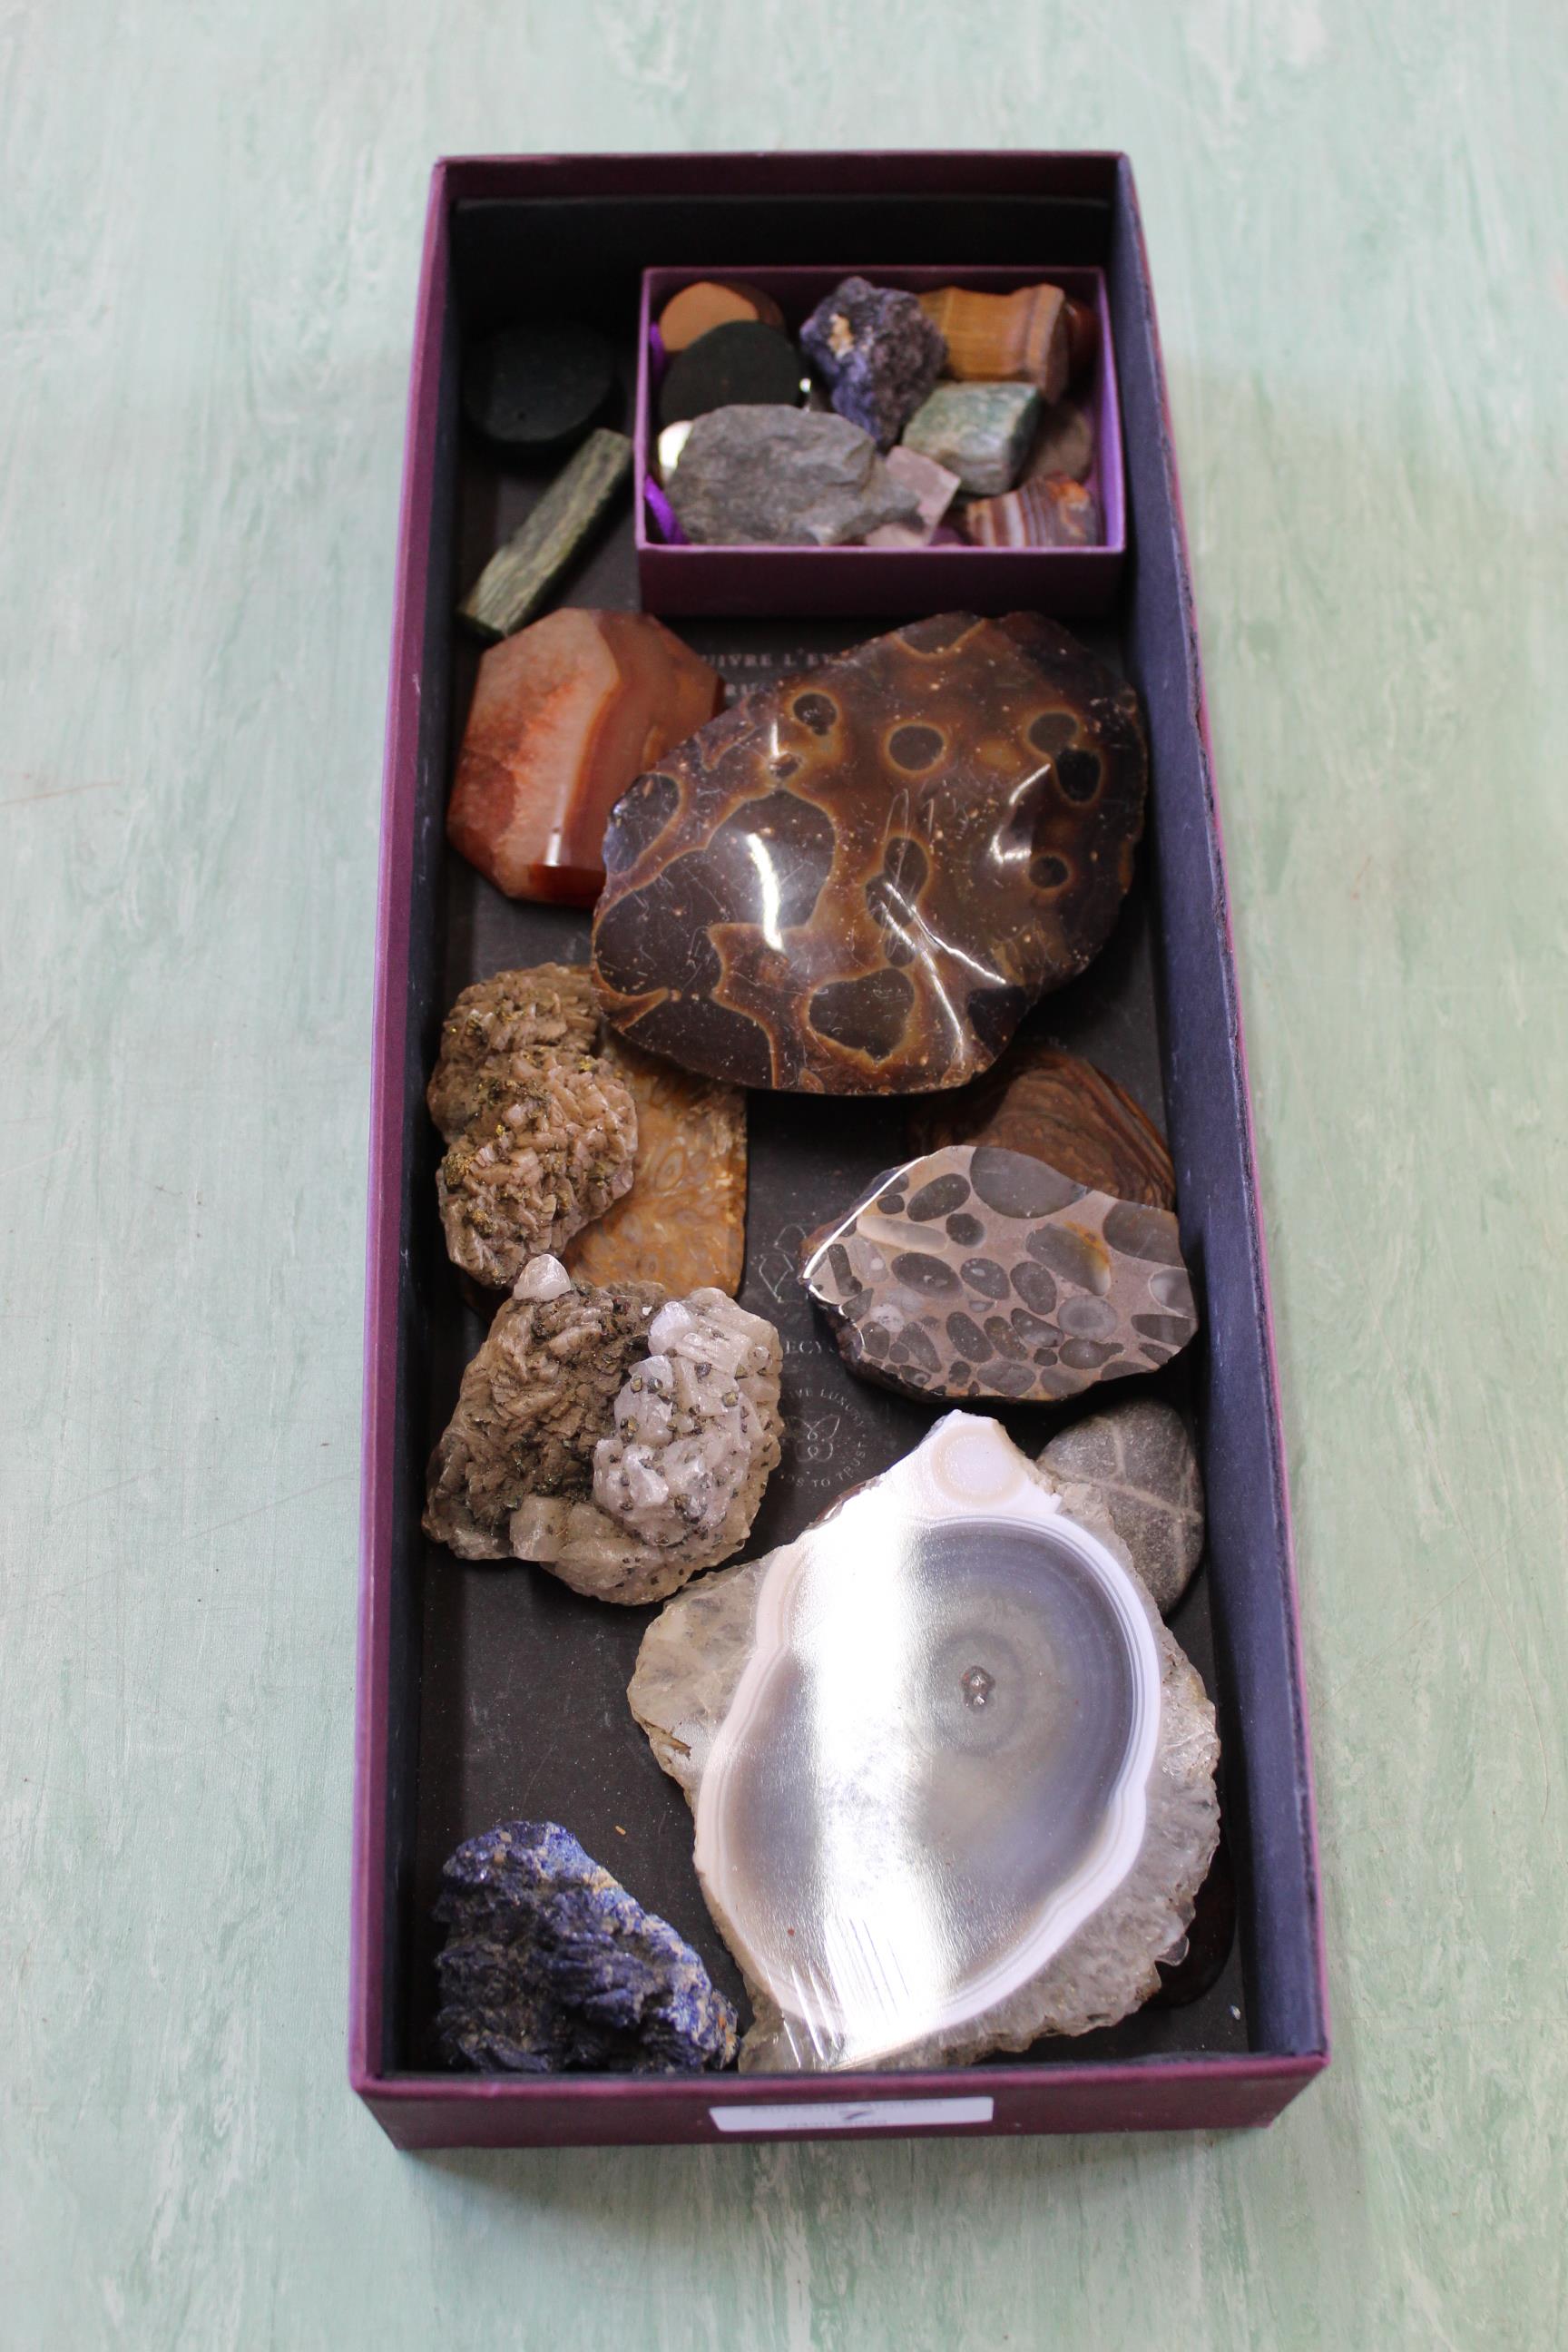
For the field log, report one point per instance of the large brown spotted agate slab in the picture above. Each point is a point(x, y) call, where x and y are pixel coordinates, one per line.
point(859, 881)
point(978, 1272)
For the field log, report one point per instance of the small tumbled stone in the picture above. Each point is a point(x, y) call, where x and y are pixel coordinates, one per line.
point(877, 351)
point(709, 302)
point(738, 364)
point(1023, 337)
point(786, 476)
point(1054, 512)
point(1138, 1464)
point(1063, 444)
point(935, 490)
point(978, 431)
point(550, 1967)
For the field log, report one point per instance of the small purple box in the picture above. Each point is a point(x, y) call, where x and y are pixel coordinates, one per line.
point(1070, 582)
point(485, 1693)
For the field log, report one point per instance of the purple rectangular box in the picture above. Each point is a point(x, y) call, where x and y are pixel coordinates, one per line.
point(484, 1693)
point(1066, 581)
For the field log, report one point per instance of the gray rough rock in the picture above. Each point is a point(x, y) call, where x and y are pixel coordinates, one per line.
point(1137, 1465)
point(783, 477)
point(689, 1669)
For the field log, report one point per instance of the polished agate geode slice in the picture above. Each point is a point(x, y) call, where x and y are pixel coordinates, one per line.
point(620, 1439)
point(980, 1272)
point(953, 1781)
point(858, 881)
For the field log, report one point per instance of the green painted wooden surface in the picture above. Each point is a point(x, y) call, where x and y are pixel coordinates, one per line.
point(1359, 223)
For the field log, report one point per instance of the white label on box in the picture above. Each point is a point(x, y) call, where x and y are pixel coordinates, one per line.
point(870, 2115)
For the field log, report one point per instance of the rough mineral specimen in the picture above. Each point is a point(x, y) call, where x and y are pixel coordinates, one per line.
point(787, 477)
point(565, 715)
point(877, 351)
point(1061, 1109)
point(1137, 1465)
point(739, 364)
point(684, 1220)
point(550, 1966)
point(678, 1480)
point(539, 388)
point(496, 1031)
point(556, 1152)
point(1024, 337)
point(520, 574)
point(711, 302)
point(934, 487)
point(975, 1272)
point(534, 1403)
point(980, 432)
point(1063, 444)
point(617, 1438)
point(859, 881)
point(953, 1780)
point(1053, 511)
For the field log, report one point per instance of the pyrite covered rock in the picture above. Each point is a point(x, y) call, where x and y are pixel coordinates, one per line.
point(534, 1403)
point(782, 477)
point(555, 1152)
point(952, 1781)
point(684, 1220)
point(1059, 1108)
point(496, 1030)
point(1137, 1464)
point(550, 1967)
point(565, 715)
point(975, 1272)
point(678, 1476)
point(618, 1438)
point(859, 880)
point(878, 353)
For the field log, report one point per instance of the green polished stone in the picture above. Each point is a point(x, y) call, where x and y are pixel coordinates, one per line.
point(981, 432)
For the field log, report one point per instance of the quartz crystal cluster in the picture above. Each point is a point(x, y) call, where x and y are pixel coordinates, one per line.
point(952, 1780)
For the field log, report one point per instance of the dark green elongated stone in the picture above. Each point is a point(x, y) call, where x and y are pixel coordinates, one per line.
point(518, 576)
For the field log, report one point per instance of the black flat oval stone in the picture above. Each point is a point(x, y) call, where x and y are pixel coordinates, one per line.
point(742, 364)
point(538, 388)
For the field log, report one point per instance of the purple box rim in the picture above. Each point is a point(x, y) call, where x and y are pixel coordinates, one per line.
point(1127, 2094)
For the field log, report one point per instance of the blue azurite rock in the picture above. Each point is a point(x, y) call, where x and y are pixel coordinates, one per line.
point(551, 1965)
point(878, 353)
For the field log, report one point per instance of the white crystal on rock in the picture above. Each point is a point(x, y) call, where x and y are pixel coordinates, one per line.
point(953, 1778)
point(677, 1479)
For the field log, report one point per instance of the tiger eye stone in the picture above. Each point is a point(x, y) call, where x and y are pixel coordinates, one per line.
point(1058, 1109)
point(857, 882)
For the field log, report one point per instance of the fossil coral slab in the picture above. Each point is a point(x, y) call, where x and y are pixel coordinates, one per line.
point(684, 1220)
point(952, 1780)
point(859, 881)
point(1137, 1466)
point(974, 1272)
point(550, 1967)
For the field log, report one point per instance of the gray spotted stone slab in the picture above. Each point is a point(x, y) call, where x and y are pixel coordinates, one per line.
point(980, 1272)
point(1138, 1462)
